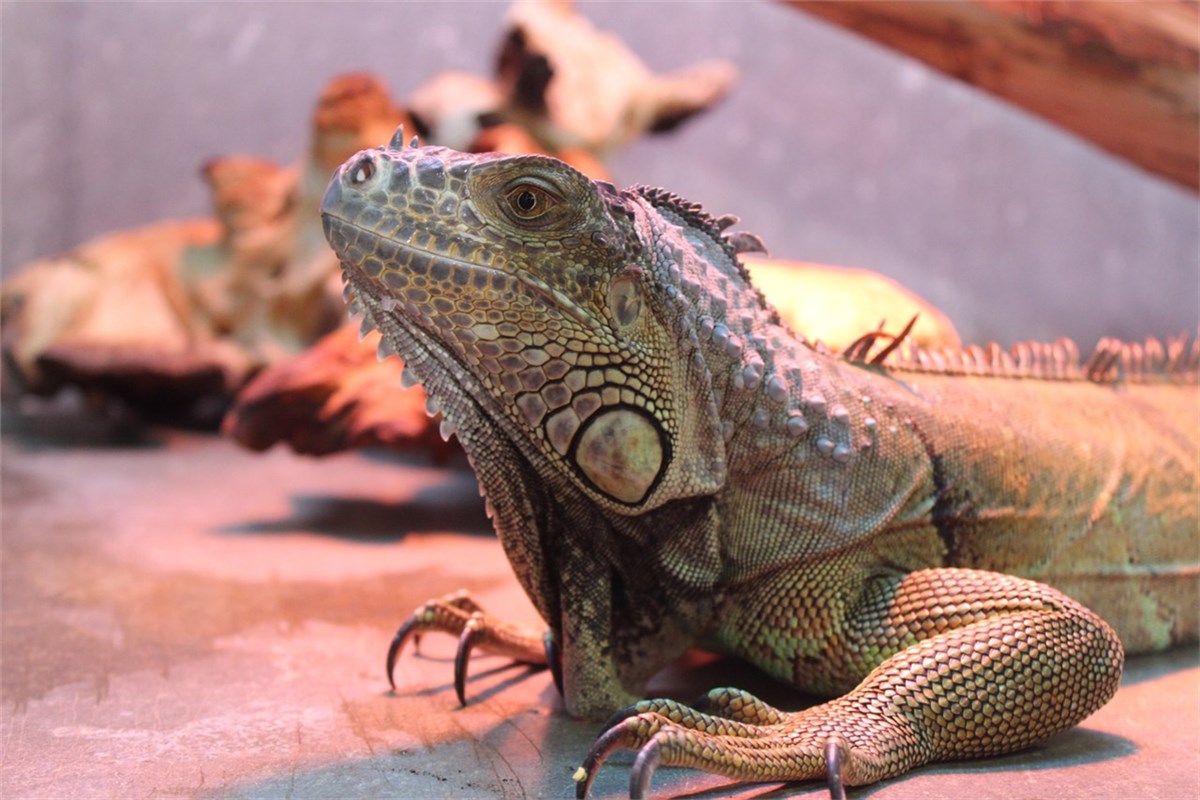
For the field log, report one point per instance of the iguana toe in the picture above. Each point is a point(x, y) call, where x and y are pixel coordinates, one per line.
point(737, 704)
point(667, 731)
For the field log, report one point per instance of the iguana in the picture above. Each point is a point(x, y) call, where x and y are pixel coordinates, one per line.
point(668, 466)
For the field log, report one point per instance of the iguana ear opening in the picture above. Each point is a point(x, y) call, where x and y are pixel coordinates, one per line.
point(624, 299)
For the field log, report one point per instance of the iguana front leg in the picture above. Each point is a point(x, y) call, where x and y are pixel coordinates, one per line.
point(972, 664)
point(581, 657)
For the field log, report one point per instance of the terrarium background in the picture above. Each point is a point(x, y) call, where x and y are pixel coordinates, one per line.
point(184, 617)
point(831, 148)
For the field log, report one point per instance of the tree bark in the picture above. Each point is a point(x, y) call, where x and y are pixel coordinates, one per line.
point(1125, 76)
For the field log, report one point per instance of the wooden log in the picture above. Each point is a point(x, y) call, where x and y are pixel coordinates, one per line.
point(1125, 76)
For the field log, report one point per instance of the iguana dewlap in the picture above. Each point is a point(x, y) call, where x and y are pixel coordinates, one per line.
point(667, 465)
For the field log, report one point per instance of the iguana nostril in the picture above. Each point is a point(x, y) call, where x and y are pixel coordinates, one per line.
point(362, 171)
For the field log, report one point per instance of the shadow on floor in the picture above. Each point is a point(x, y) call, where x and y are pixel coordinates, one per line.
point(438, 508)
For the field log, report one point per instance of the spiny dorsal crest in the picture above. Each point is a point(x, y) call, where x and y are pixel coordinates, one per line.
point(1112, 362)
point(398, 142)
point(694, 216)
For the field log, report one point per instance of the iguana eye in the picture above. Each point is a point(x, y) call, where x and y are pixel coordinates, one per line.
point(528, 201)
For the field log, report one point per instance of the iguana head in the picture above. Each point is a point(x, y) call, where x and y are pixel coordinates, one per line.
point(526, 299)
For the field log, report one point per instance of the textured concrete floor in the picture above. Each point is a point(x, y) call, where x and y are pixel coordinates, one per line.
point(182, 618)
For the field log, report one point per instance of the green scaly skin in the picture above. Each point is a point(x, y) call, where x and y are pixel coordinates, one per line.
point(668, 466)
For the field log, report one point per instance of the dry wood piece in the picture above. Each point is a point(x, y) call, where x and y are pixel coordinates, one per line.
point(335, 396)
point(112, 318)
point(354, 112)
point(339, 395)
point(171, 319)
point(571, 85)
point(1126, 76)
point(567, 89)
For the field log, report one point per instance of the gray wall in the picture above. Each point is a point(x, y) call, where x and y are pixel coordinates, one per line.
point(830, 148)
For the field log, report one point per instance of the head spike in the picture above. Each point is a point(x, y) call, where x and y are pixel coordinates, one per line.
point(397, 142)
point(415, 143)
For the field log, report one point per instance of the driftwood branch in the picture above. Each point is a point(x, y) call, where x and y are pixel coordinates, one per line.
point(1125, 76)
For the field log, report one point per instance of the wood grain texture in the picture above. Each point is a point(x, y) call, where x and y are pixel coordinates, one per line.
point(1125, 76)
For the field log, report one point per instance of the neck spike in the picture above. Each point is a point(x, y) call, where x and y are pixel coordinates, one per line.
point(397, 142)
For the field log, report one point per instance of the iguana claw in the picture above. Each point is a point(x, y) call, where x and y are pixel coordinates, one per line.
point(611, 738)
point(466, 642)
point(835, 755)
point(402, 635)
point(644, 765)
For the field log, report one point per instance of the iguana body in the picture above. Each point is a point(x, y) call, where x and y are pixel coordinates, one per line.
point(669, 466)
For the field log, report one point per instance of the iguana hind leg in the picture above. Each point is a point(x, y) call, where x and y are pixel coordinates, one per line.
point(459, 615)
point(995, 664)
